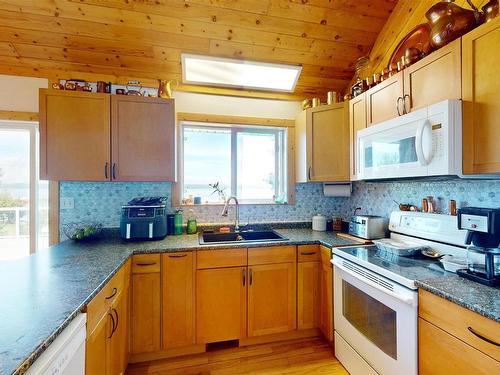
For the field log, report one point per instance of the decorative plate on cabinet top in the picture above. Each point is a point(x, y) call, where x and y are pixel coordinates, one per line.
point(419, 37)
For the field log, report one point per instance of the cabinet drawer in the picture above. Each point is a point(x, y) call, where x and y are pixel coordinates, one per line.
point(272, 254)
point(440, 353)
point(100, 304)
point(308, 253)
point(460, 322)
point(146, 263)
point(221, 258)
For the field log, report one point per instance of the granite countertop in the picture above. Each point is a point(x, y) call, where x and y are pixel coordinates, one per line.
point(41, 294)
point(483, 299)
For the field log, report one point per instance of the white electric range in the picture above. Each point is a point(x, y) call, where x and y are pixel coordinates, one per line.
point(376, 300)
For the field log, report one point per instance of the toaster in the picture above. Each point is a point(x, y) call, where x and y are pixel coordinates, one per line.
point(368, 226)
point(144, 218)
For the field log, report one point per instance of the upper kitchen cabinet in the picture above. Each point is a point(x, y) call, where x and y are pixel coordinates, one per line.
point(102, 137)
point(322, 144)
point(74, 136)
point(357, 121)
point(385, 101)
point(434, 78)
point(481, 105)
point(143, 138)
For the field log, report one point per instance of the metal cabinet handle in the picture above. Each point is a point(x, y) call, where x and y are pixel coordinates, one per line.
point(178, 256)
point(397, 105)
point(113, 293)
point(106, 170)
point(116, 313)
point(113, 321)
point(145, 264)
point(471, 330)
point(309, 173)
point(244, 272)
point(308, 253)
point(251, 276)
point(405, 111)
point(114, 171)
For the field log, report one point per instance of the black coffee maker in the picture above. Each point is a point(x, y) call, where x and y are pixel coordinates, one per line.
point(483, 238)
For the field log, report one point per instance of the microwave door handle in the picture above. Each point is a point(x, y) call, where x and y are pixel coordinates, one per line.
point(406, 300)
point(419, 143)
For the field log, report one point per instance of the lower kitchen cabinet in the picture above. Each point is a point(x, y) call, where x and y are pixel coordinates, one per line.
point(271, 299)
point(95, 351)
point(178, 293)
point(107, 327)
point(308, 288)
point(221, 304)
point(146, 304)
point(326, 293)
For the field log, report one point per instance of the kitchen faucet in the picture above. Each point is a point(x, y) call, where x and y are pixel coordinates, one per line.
point(237, 218)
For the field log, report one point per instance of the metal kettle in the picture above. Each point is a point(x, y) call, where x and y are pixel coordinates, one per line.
point(449, 21)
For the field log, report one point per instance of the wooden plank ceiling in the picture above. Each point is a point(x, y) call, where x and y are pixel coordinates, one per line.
point(120, 40)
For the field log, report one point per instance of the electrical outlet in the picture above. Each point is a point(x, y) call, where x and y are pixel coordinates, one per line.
point(67, 203)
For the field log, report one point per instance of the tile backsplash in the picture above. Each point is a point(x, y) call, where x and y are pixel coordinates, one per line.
point(101, 201)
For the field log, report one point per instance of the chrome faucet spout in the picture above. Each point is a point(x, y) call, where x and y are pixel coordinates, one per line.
point(226, 208)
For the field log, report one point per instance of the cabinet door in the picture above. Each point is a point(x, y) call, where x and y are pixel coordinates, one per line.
point(74, 136)
point(328, 143)
point(435, 78)
point(271, 299)
point(145, 312)
point(308, 301)
point(178, 300)
point(382, 100)
point(357, 121)
point(143, 139)
point(481, 104)
point(118, 338)
point(96, 350)
point(326, 294)
point(221, 304)
point(440, 353)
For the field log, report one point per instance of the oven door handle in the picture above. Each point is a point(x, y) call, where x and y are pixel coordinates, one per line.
point(407, 300)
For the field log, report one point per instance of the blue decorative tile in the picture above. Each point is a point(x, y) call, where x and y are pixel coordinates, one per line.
point(101, 202)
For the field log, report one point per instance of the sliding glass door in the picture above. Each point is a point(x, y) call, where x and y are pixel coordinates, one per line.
point(23, 197)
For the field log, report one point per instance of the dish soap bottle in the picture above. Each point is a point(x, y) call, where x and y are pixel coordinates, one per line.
point(192, 226)
point(178, 222)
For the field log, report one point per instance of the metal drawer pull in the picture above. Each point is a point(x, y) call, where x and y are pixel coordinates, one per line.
point(405, 111)
point(114, 171)
point(106, 170)
point(309, 173)
point(116, 313)
point(397, 105)
point(308, 253)
point(113, 329)
point(471, 330)
point(113, 293)
point(145, 264)
point(244, 271)
point(178, 256)
point(251, 276)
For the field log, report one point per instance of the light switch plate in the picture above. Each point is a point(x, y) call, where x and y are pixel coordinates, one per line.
point(67, 203)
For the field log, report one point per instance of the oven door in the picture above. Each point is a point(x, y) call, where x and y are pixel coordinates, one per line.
point(376, 317)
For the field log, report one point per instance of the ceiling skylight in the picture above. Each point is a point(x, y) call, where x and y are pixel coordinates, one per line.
point(216, 71)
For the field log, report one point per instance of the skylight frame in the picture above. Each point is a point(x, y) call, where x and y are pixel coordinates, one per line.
point(292, 67)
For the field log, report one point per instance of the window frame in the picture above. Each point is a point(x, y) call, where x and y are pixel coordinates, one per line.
point(34, 168)
point(264, 125)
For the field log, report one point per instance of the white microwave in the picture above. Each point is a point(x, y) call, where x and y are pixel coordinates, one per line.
point(426, 142)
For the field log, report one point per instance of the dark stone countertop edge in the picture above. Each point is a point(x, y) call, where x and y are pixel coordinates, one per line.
point(422, 284)
point(50, 339)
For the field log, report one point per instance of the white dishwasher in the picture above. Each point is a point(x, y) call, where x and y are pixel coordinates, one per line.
point(66, 355)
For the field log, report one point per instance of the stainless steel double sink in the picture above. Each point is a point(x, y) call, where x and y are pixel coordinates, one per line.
point(239, 237)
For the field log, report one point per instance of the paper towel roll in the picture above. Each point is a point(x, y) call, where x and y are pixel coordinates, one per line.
point(340, 189)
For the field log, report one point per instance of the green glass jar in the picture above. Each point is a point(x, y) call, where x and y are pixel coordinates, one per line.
point(192, 226)
point(178, 222)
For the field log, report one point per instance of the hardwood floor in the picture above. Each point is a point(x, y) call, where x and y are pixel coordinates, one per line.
point(301, 356)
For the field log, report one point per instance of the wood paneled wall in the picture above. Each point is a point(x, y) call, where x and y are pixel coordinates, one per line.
point(405, 16)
